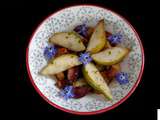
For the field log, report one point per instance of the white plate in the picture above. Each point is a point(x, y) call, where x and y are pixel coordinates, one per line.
point(65, 20)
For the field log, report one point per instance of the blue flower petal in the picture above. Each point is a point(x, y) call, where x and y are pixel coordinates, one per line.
point(122, 78)
point(67, 92)
point(115, 38)
point(81, 29)
point(50, 51)
point(85, 58)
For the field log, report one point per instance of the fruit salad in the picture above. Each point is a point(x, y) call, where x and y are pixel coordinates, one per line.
point(85, 61)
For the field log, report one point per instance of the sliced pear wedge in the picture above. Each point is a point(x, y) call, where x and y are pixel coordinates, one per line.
point(60, 64)
point(70, 40)
point(98, 38)
point(110, 56)
point(95, 79)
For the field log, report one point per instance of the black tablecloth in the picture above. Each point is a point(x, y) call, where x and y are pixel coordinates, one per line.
point(26, 17)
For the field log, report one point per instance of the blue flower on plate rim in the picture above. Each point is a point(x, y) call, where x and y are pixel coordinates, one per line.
point(115, 38)
point(50, 51)
point(122, 77)
point(67, 92)
point(85, 58)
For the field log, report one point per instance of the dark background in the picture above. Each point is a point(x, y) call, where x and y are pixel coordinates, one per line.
point(25, 16)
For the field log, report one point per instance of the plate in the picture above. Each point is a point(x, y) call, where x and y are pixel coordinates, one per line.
point(65, 20)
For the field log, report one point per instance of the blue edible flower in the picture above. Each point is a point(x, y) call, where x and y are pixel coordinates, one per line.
point(67, 92)
point(50, 51)
point(81, 29)
point(85, 58)
point(122, 77)
point(115, 38)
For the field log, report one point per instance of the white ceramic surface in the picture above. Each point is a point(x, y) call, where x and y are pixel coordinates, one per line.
point(65, 20)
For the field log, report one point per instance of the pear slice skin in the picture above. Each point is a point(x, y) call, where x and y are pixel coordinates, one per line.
point(110, 56)
point(60, 64)
point(95, 80)
point(70, 40)
point(98, 38)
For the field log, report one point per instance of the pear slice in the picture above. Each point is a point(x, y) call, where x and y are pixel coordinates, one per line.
point(70, 40)
point(95, 79)
point(110, 56)
point(98, 38)
point(60, 64)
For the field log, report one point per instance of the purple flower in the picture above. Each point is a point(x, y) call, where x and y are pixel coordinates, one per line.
point(85, 58)
point(67, 92)
point(115, 38)
point(81, 29)
point(122, 77)
point(49, 52)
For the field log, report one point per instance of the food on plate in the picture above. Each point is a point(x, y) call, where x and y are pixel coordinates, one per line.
point(61, 83)
point(113, 71)
point(81, 91)
point(89, 32)
point(100, 67)
point(98, 38)
point(61, 51)
point(110, 56)
point(70, 40)
point(72, 74)
point(81, 30)
point(85, 61)
point(80, 82)
point(61, 64)
point(95, 79)
point(109, 74)
point(60, 76)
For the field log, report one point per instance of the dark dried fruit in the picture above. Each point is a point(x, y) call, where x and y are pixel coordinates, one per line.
point(100, 67)
point(81, 91)
point(85, 41)
point(104, 75)
point(61, 51)
point(60, 76)
point(117, 67)
point(72, 74)
point(111, 72)
point(61, 84)
point(108, 67)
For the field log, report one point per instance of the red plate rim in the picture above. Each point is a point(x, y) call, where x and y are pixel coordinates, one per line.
point(98, 111)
